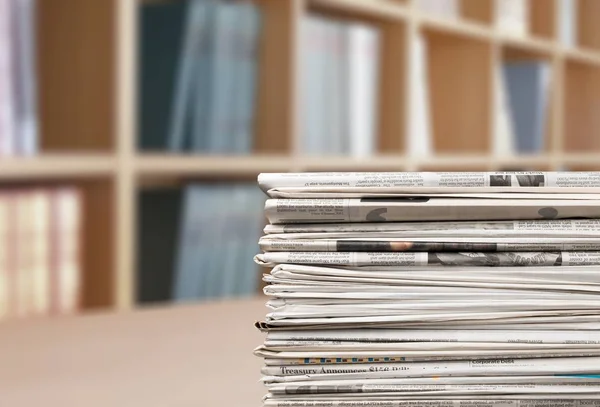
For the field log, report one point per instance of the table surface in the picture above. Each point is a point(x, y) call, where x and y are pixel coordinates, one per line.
point(190, 355)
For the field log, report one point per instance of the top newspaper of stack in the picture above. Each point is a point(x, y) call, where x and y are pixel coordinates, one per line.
point(389, 184)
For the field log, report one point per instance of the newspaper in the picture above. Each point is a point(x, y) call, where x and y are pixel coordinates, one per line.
point(519, 321)
point(366, 184)
point(447, 385)
point(498, 367)
point(338, 210)
point(364, 243)
point(495, 402)
point(566, 228)
point(412, 259)
point(354, 280)
point(436, 274)
point(397, 335)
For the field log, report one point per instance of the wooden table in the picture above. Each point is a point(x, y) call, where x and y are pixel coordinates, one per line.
point(198, 355)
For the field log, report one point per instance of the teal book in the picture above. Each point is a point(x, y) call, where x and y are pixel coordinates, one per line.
point(158, 227)
point(246, 54)
point(190, 70)
point(161, 35)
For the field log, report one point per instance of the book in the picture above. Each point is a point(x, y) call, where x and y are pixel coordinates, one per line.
point(338, 87)
point(161, 36)
point(189, 72)
point(440, 8)
point(5, 254)
point(504, 136)
point(24, 84)
point(7, 125)
point(246, 53)
point(191, 244)
point(420, 137)
point(363, 88)
point(158, 225)
point(512, 16)
point(528, 95)
point(313, 86)
point(37, 244)
point(567, 22)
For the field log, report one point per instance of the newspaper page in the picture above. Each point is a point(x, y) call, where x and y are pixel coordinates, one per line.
point(531, 275)
point(397, 335)
point(540, 366)
point(364, 243)
point(428, 182)
point(433, 390)
point(549, 228)
point(419, 356)
point(411, 259)
point(336, 210)
point(561, 402)
point(429, 319)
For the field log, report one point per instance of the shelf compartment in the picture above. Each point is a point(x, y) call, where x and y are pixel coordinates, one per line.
point(460, 83)
point(76, 74)
point(480, 11)
point(581, 100)
point(588, 30)
point(542, 19)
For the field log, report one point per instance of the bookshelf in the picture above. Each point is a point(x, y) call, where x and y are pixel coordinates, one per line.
point(88, 76)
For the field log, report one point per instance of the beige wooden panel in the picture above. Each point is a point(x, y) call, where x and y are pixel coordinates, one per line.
point(542, 18)
point(276, 108)
point(76, 73)
point(393, 89)
point(588, 33)
point(97, 249)
point(481, 11)
point(460, 78)
point(581, 107)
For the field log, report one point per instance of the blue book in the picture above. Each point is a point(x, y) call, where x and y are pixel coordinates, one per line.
point(527, 85)
point(193, 243)
point(161, 33)
point(248, 29)
point(189, 72)
point(220, 120)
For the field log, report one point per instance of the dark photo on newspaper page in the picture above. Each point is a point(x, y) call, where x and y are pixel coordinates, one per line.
point(431, 289)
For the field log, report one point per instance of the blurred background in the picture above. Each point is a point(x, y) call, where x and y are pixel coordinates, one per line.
point(132, 131)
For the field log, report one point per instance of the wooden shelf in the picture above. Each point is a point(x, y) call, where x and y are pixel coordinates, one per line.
point(384, 10)
point(57, 167)
point(88, 76)
point(165, 165)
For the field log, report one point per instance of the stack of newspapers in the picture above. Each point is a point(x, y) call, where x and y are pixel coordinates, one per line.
point(432, 289)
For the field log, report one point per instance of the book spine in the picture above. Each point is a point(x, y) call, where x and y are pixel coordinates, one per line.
point(54, 256)
point(24, 81)
point(204, 90)
point(6, 79)
point(186, 78)
point(70, 229)
point(5, 243)
point(39, 278)
point(12, 252)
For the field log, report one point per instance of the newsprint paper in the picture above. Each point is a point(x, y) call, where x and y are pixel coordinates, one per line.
point(568, 228)
point(334, 210)
point(412, 259)
point(337, 184)
point(560, 401)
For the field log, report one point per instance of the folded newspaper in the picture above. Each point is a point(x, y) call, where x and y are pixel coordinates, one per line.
point(431, 289)
point(345, 184)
